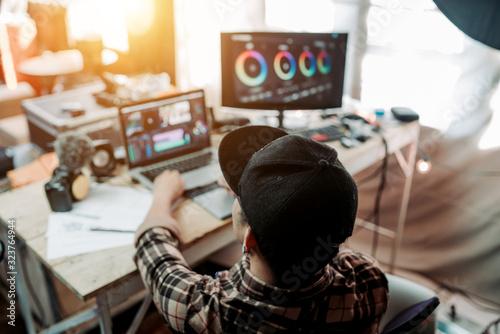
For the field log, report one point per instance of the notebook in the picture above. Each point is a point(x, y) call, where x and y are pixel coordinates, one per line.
point(169, 133)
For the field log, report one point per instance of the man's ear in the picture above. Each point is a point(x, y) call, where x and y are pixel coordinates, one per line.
point(249, 240)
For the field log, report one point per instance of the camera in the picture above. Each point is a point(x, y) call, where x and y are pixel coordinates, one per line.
point(58, 191)
point(66, 187)
point(68, 184)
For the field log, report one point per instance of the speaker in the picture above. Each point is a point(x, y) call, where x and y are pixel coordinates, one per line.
point(103, 161)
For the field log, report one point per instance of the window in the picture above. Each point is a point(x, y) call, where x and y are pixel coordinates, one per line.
point(417, 58)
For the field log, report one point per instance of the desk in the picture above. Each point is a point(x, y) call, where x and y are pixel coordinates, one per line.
point(100, 274)
point(96, 274)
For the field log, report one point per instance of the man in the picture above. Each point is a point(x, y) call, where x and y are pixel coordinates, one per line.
point(295, 204)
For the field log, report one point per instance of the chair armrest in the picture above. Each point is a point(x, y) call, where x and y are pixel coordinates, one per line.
point(411, 317)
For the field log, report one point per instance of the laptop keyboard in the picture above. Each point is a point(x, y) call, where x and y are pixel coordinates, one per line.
point(322, 134)
point(202, 190)
point(182, 166)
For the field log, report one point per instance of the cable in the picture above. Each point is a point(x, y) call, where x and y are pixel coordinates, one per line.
point(383, 168)
point(378, 197)
point(369, 177)
point(472, 298)
point(493, 323)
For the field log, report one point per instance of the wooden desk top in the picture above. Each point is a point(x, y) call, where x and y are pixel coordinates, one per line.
point(89, 274)
point(29, 207)
point(363, 156)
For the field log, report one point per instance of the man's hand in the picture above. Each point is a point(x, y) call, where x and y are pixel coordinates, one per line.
point(168, 187)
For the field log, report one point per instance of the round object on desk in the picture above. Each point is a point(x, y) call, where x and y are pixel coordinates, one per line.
point(49, 65)
point(103, 161)
point(80, 187)
point(53, 63)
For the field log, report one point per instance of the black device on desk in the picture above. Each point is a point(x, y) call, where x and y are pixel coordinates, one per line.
point(347, 134)
point(322, 134)
point(404, 114)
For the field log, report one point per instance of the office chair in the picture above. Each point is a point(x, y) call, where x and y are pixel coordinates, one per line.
point(410, 309)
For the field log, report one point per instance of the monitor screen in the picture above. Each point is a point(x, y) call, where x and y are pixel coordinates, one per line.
point(283, 71)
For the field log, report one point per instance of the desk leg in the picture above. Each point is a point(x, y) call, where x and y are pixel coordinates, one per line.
point(410, 167)
point(54, 303)
point(21, 289)
point(104, 313)
point(136, 323)
point(22, 294)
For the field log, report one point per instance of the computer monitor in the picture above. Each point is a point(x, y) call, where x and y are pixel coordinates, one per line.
point(283, 71)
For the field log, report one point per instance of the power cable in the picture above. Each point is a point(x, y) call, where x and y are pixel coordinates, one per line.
point(369, 177)
point(378, 197)
point(493, 323)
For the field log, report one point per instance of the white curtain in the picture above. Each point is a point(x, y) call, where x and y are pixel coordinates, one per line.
point(417, 58)
point(400, 53)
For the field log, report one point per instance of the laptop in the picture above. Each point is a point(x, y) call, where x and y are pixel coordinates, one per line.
point(169, 133)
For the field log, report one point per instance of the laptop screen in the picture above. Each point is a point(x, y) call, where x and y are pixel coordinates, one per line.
point(165, 128)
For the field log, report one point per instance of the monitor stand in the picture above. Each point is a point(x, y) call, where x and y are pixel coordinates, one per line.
point(281, 117)
point(291, 121)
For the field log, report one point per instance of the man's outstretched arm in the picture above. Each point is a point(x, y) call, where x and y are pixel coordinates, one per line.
point(176, 289)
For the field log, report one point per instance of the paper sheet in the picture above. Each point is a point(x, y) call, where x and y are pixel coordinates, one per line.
point(106, 207)
point(62, 245)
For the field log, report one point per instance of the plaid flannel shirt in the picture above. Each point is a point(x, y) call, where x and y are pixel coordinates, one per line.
point(350, 296)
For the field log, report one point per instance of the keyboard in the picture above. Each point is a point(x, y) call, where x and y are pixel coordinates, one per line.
point(182, 165)
point(202, 190)
point(322, 134)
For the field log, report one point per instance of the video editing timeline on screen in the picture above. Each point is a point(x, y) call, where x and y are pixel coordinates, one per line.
point(286, 68)
point(159, 130)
